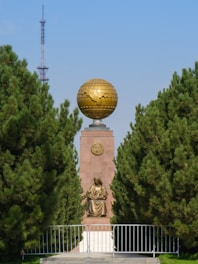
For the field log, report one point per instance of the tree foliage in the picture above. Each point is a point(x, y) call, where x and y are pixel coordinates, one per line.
point(39, 183)
point(156, 179)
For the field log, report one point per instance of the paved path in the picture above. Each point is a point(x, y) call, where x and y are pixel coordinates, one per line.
point(97, 258)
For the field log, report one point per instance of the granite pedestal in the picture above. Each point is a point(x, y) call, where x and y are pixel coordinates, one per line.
point(97, 160)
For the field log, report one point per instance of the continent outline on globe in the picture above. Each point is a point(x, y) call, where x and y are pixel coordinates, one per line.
point(97, 98)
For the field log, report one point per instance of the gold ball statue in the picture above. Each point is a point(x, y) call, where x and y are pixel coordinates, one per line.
point(97, 99)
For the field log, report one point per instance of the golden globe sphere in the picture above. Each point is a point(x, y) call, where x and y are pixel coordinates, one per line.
point(97, 98)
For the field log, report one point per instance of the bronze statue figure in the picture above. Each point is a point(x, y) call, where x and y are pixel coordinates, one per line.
point(96, 196)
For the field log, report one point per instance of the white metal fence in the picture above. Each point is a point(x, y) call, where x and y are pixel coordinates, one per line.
point(115, 239)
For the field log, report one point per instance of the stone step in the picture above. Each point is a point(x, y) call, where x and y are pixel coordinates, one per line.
point(97, 258)
point(99, 261)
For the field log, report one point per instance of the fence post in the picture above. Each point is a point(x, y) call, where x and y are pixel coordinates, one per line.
point(153, 241)
point(113, 238)
point(88, 240)
point(178, 247)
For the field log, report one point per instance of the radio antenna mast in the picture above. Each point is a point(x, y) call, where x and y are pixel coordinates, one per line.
point(42, 68)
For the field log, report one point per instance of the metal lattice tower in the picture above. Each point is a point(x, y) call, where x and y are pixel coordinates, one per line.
point(42, 68)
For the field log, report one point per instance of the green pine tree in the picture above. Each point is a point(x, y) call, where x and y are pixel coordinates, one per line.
point(38, 160)
point(156, 179)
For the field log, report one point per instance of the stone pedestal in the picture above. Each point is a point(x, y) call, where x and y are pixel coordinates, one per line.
point(97, 160)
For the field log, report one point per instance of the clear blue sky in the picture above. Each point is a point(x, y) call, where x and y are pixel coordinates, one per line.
point(135, 44)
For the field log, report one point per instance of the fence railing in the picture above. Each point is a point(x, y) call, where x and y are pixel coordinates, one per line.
point(145, 239)
point(115, 239)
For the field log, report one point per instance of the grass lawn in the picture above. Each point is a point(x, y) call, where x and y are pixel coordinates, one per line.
point(172, 259)
point(27, 260)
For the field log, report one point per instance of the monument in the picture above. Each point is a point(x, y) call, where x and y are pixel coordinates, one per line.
point(97, 99)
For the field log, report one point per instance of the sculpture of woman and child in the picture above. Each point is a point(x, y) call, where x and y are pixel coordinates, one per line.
point(96, 197)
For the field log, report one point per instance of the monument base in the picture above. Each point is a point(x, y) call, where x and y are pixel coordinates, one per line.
point(96, 220)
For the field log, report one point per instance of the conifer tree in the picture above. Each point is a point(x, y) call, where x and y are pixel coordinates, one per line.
point(156, 179)
point(38, 175)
